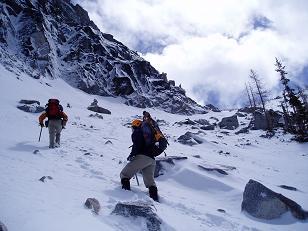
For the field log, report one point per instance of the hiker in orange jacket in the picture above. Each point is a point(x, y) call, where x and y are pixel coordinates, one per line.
point(57, 120)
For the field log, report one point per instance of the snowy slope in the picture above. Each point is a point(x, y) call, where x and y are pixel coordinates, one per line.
point(86, 165)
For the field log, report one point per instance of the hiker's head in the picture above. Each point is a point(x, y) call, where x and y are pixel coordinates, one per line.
point(136, 124)
point(146, 115)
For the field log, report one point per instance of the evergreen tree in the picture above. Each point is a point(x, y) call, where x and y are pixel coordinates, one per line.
point(298, 119)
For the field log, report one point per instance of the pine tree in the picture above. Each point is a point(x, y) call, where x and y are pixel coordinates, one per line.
point(261, 93)
point(298, 119)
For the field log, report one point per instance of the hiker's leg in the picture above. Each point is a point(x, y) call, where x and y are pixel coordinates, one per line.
point(52, 133)
point(138, 163)
point(148, 173)
point(58, 125)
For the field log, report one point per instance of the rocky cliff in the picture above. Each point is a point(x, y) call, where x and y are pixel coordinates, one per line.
point(56, 39)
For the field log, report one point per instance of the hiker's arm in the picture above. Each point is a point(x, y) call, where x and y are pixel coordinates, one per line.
point(42, 117)
point(64, 116)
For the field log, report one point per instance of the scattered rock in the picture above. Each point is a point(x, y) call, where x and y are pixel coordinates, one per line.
point(164, 163)
point(229, 123)
point(2, 227)
point(36, 151)
point(221, 210)
point(197, 156)
point(43, 178)
point(214, 169)
point(92, 203)
point(87, 154)
point(139, 209)
point(261, 202)
point(108, 142)
point(96, 115)
point(288, 187)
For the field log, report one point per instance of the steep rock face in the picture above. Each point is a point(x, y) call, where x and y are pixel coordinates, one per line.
point(56, 39)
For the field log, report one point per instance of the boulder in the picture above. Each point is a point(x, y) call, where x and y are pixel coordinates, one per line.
point(229, 123)
point(139, 209)
point(261, 202)
point(92, 203)
point(165, 163)
point(259, 122)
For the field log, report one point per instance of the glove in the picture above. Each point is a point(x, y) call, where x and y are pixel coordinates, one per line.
point(130, 158)
point(41, 124)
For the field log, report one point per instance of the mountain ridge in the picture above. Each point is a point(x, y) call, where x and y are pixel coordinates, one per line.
point(56, 39)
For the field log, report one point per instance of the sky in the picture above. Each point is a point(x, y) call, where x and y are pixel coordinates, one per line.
point(210, 46)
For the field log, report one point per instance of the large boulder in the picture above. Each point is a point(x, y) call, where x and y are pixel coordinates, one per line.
point(261, 202)
point(229, 123)
point(32, 106)
point(139, 209)
point(259, 122)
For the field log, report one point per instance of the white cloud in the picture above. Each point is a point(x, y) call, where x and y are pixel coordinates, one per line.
point(209, 46)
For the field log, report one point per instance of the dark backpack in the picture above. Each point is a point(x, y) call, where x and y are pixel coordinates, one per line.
point(54, 109)
point(159, 138)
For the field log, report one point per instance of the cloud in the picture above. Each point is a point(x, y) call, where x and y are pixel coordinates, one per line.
point(209, 46)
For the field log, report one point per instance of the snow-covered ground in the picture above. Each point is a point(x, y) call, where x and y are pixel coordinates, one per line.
point(94, 151)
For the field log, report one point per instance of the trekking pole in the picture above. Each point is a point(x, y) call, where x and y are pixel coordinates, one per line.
point(40, 134)
point(137, 179)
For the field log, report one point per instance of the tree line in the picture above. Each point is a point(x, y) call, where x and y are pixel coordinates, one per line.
point(294, 103)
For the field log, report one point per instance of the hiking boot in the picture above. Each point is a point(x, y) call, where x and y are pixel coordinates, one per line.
point(51, 146)
point(153, 193)
point(125, 183)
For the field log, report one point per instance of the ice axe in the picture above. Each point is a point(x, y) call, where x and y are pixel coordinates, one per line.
point(40, 134)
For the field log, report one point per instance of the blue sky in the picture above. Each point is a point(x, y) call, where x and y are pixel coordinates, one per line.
point(210, 46)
